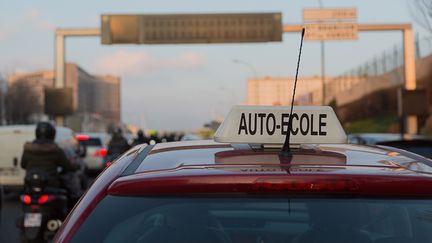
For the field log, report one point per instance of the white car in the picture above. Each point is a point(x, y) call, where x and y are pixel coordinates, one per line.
point(12, 140)
point(96, 146)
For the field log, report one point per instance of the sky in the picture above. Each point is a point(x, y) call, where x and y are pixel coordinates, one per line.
point(181, 87)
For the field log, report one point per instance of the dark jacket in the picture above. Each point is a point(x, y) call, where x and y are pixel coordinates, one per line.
point(45, 155)
point(117, 146)
point(140, 140)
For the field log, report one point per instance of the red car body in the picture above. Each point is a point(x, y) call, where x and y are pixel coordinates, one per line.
point(206, 167)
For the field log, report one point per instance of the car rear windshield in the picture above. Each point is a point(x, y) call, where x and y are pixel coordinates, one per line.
point(297, 220)
point(92, 142)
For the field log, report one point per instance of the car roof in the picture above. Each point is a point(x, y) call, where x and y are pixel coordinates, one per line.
point(205, 166)
point(209, 154)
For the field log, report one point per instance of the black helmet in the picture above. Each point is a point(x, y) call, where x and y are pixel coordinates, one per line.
point(140, 133)
point(44, 130)
point(117, 132)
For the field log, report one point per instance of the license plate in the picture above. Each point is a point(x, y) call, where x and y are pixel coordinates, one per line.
point(32, 219)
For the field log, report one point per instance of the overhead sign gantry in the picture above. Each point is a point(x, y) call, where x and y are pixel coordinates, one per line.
point(227, 28)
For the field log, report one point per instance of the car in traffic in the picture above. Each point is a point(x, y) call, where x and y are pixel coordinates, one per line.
point(1, 201)
point(96, 146)
point(418, 144)
point(376, 138)
point(191, 137)
point(247, 186)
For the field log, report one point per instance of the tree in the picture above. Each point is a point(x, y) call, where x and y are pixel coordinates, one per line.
point(421, 10)
point(21, 103)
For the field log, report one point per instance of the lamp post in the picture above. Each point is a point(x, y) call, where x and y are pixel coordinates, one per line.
point(248, 65)
point(254, 77)
point(323, 85)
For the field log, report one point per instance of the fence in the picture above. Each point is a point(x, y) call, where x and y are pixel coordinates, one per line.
point(389, 61)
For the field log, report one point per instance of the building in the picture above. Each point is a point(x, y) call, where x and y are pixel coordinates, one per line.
point(25, 96)
point(96, 94)
point(3, 89)
point(109, 108)
point(36, 81)
point(278, 91)
point(96, 98)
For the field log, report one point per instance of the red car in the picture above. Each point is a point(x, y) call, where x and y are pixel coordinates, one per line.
point(206, 191)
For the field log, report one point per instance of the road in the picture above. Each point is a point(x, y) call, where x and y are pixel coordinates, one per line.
point(10, 212)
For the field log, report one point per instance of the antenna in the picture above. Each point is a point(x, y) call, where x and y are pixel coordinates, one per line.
point(286, 151)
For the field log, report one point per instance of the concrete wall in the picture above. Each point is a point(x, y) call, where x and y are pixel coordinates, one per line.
point(375, 96)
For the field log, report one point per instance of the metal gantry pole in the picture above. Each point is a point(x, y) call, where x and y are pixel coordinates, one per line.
point(59, 62)
point(59, 69)
point(410, 75)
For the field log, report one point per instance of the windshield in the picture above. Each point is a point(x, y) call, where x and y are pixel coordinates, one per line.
point(92, 142)
point(138, 219)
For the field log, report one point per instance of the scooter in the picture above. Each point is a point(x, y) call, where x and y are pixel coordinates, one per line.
point(44, 208)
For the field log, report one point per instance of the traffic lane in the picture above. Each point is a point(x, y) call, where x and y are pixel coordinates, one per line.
point(10, 212)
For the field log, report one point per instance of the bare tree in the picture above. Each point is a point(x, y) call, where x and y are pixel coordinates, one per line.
point(421, 10)
point(21, 103)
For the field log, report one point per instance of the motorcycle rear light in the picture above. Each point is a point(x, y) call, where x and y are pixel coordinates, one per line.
point(306, 185)
point(26, 199)
point(44, 199)
point(82, 137)
point(101, 152)
point(107, 164)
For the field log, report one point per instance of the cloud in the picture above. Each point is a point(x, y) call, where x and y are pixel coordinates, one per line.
point(188, 60)
point(36, 19)
point(32, 18)
point(137, 63)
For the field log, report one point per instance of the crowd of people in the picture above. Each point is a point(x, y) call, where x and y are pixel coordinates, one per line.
point(119, 144)
point(154, 138)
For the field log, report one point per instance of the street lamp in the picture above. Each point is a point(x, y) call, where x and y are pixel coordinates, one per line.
point(247, 64)
point(323, 93)
point(255, 76)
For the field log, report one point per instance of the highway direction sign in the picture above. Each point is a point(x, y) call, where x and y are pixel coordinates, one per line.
point(329, 14)
point(331, 31)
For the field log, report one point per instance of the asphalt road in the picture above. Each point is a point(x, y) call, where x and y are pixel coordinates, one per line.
point(10, 211)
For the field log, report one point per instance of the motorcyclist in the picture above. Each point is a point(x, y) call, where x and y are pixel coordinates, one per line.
point(140, 139)
point(43, 154)
point(117, 145)
point(154, 137)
